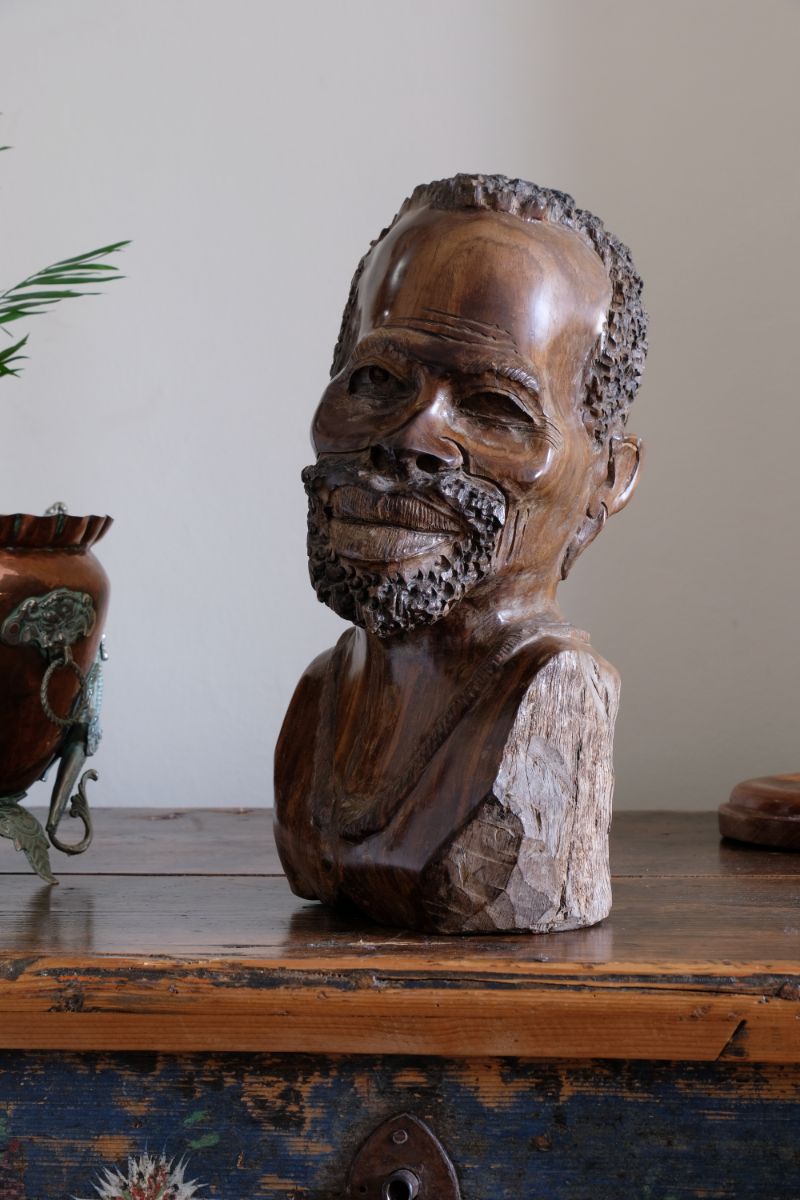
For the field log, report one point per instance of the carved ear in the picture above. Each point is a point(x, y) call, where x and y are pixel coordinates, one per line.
point(624, 461)
point(614, 492)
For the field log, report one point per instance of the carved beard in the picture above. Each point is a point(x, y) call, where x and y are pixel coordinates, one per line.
point(402, 597)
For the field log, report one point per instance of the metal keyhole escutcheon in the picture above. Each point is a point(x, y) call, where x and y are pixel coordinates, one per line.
point(402, 1160)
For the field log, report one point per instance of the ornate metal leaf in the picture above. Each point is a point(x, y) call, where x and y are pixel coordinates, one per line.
point(22, 828)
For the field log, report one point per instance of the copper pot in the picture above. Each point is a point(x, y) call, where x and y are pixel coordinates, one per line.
point(53, 602)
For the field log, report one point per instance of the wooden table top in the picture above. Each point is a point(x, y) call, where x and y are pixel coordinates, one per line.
point(177, 931)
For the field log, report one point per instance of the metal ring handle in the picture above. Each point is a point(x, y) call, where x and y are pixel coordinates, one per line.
point(66, 660)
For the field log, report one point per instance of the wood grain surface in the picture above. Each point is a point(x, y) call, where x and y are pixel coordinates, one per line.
point(700, 959)
point(238, 841)
point(166, 841)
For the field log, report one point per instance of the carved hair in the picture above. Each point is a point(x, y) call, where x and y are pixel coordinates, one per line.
point(616, 370)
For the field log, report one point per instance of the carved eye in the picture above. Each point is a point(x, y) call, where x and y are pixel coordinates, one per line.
point(495, 406)
point(373, 380)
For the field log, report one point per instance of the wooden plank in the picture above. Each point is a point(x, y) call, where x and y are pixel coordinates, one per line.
point(165, 841)
point(677, 922)
point(263, 1127)
point(185, 841)
point(685, 969)
point(691, 966)
point(430, 1020)
point(677, 845)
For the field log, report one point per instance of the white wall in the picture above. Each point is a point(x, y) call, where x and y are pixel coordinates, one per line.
point(251, 150)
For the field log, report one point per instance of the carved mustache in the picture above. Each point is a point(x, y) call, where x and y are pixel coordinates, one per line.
point(368, 507)
point(452, 503)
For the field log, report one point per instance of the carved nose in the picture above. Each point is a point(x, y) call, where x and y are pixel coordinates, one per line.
point(423, 442)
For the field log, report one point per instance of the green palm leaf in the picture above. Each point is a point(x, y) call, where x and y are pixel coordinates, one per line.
point(10, 355)
point(68, 279)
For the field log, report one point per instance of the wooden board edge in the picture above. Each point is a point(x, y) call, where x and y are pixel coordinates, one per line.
point(437, 1022)
point(426, 962)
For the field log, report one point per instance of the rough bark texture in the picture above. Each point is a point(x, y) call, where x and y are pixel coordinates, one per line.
point(536, 854)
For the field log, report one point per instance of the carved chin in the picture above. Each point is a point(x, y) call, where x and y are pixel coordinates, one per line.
point(401, 597)
point(390, 561)
point(417, 583)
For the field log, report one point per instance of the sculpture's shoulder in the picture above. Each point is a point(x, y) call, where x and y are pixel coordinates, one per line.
point(313, 677)
point(294, 751)
point(534, 854)
point(295, 835)
point(562, 688)
point(566, 678)
point(301, 720)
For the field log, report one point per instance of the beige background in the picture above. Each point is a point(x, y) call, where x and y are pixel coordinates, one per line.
point(252, 150)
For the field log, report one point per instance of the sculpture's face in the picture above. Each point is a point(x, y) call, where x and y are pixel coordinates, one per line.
point(452, 446)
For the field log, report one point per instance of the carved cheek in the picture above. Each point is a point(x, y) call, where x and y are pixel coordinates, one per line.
point(518, 465)
point(535, 468)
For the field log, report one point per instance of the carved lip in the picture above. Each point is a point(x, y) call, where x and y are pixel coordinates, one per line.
point(363, 506)
point(24, 531)
point(377, 543)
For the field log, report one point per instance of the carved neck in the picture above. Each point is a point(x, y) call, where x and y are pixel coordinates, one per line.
point(473, 629)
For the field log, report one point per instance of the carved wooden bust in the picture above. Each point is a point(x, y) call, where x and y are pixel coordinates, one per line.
point(447, 766)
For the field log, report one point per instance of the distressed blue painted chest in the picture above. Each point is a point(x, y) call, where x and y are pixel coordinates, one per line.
point(188, 1007)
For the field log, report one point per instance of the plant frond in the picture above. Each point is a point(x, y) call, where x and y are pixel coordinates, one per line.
point(103, 252)
point(68, 279)
point(11, 355)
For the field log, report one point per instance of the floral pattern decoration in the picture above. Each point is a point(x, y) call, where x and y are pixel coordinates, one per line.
point(148, 1178)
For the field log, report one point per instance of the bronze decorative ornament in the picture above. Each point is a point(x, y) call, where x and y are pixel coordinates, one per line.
point(447, 766)
point(53, 600)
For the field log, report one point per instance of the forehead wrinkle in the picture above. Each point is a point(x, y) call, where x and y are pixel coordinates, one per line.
point(460, 334)
point(457, 321)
